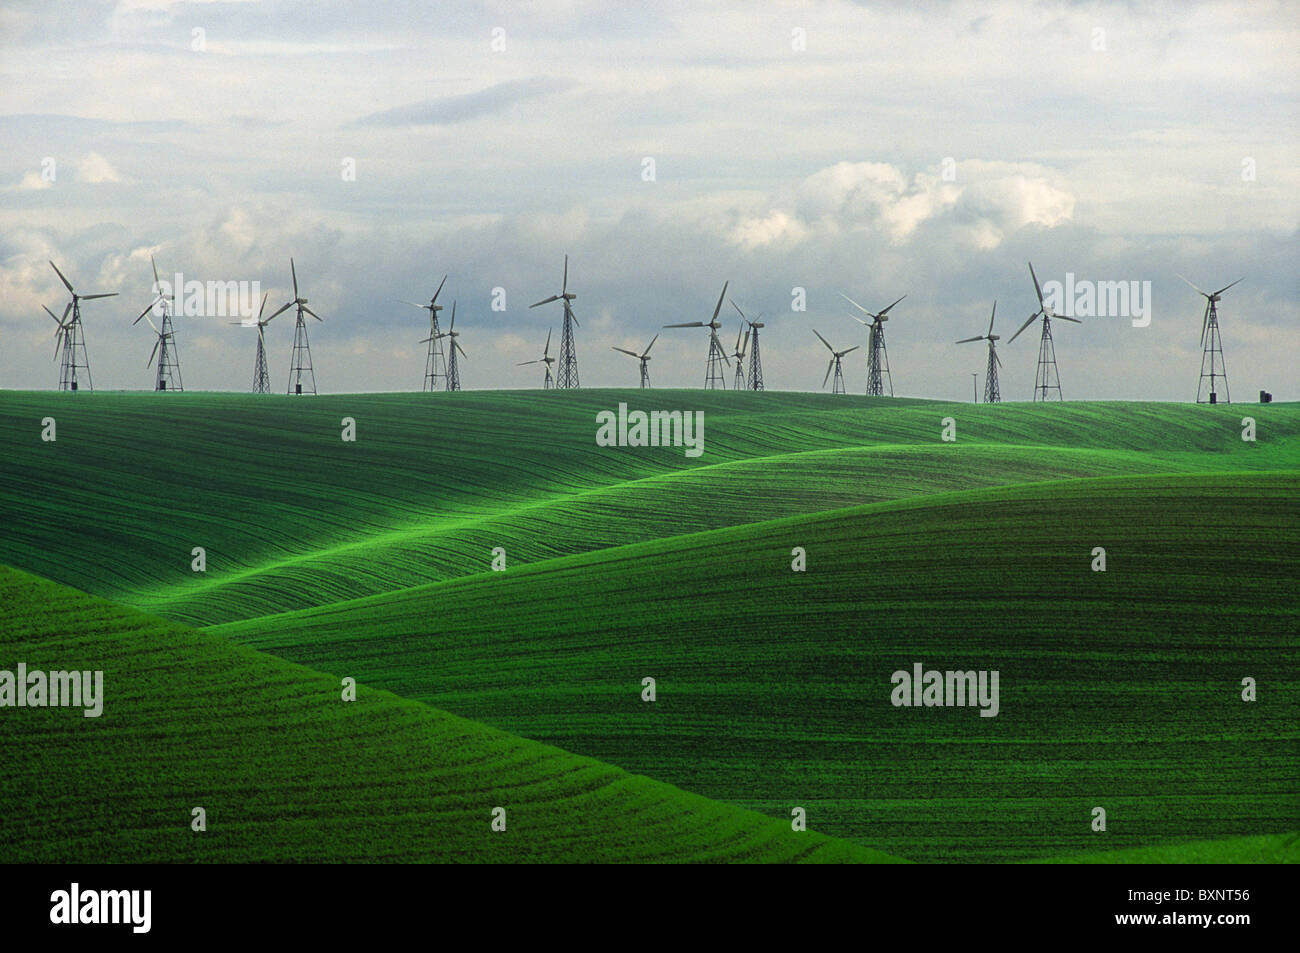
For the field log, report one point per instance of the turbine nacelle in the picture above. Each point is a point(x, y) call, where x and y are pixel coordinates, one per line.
point(1213, 297)
point(1046, 313)
point(877, 317)
point(78, 297)
point(565, 294)
point(644, 355)
point(756, 323)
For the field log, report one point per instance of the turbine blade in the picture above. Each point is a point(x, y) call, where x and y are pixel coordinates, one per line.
point(312, 313)
point(154, 352)
point(850, 350)
point(1032, 317)
point(720, 297)
point(438, 292)
point(688, 324)
point(526, 363)
point(992, 316)
point(546, 351)
point(968, 340)
point(1205, 322)
point(1226, 287)
point(627, 352)
point(1192, 286)
point(886, 311)
point(66, 308)
point(156, 282)
point(281, 311)
point(51, 314)
point(650, 345)
point(111, 294)
point(263, 308)
point(147, 310)
point(546, 301)
point(738, 311)
point(422, 307)
point(564, 287)
point(295, 277)
point(829, 365)
point(1064, 318)
point(67, 284)
point(1037, 289)
point(453, 317)
point(824, 341)
point(856, 305)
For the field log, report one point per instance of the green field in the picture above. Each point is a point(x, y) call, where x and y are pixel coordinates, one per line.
point(371, 560)
point(288, 771)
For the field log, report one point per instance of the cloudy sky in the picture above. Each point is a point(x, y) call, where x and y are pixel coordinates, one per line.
point(928, 149)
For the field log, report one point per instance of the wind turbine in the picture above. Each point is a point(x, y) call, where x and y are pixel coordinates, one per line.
point(1048, 376)
point(567, 375)
point(73, 338)
point(991, 393)
point(878, 378)
point(644, 358)
point(300, 360)
point(739, 354)
point(838, 386)
point(261, 376)
point(713, 376)
point(435, 364)
point(453, 375)
point(544, 359)
point(755, 360)
point(169, 361)
point(1212, 345)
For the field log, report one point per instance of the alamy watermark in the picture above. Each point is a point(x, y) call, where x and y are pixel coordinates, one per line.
point(210, 299)
point(38, 689)
point(1100, 299)
point(657, 428)
point(922, 688)
point(76, 906)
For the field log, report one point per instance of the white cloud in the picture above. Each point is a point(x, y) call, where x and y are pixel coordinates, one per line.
point(990, 201)
point(775, 227)
point(95, 169)
point(31, 182)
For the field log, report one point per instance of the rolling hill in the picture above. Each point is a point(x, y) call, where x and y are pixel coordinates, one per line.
point(371, 559)
point(288, 771)
point(1120, 689)
point(290, 516)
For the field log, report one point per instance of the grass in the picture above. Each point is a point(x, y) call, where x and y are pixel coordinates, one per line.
point(291, 517)
point(1265, 849)
point(287, 771)
point(1119, 689)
